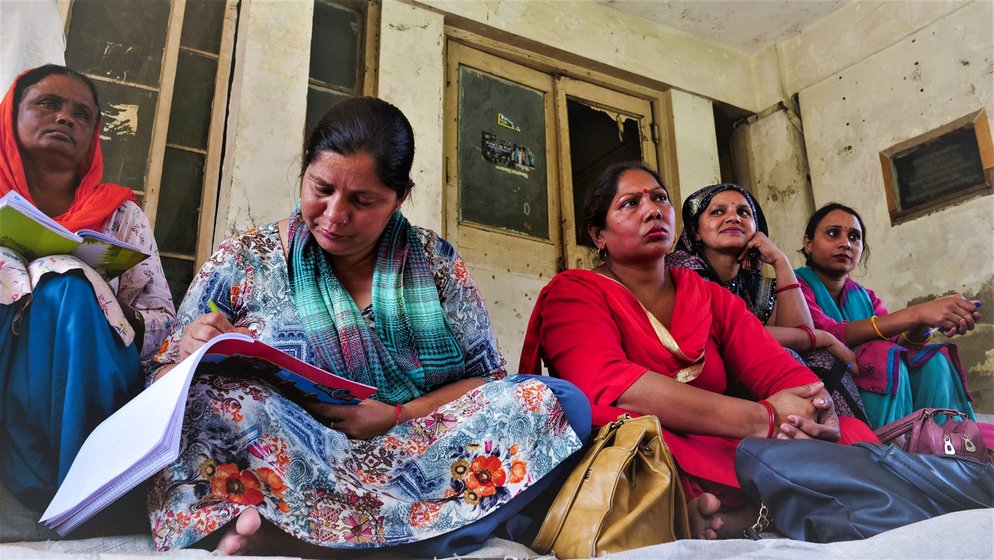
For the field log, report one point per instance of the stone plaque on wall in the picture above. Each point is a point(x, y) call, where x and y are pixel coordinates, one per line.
point(939, 167)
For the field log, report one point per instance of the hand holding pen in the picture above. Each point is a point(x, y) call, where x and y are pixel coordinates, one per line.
point(206, 327)
point(959, 315)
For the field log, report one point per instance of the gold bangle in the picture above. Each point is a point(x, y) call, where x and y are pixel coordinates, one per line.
point(873, 322)
point(928, 338)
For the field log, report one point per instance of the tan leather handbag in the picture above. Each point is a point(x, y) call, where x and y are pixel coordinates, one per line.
point(624, 494)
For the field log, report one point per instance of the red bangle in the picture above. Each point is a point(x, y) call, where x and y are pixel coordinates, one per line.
point(811, 336)
point(773, 418)
point(396, 420)
point(795, 285)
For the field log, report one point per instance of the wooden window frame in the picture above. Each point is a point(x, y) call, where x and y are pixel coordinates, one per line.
point(476, 240)
point(370, 47)
point(581, 77)
point(981, 128)
point(160, 126)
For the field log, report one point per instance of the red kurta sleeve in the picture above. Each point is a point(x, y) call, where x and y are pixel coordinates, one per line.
point(752, 356)
point(582, 342)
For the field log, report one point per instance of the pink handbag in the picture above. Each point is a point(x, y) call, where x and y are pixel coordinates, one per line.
point(918, 432)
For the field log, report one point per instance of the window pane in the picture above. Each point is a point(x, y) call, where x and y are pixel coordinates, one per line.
point(335, 45)
point(190, 115)
point(179, 274)
point(203, 21)
point(178, 215)
point(119, 39)
point(319, 100)
point(596, 143)
point(126, 132)
point(502, 169)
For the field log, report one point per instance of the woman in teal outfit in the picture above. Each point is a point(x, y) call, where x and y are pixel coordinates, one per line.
point(900, 368)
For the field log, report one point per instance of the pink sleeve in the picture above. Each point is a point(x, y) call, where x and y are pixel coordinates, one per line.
point(751, 355)
point(582, 343)
point(878, 305)
point(819, 318)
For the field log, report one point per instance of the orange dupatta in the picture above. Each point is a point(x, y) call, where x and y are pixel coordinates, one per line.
point(94, 202)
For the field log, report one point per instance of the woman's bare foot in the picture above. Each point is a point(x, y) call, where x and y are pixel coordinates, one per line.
point(705, 522)
point(736, 521)
point(250, 534)
point(239, 537)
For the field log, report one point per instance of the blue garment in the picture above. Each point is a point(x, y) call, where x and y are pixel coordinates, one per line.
point(62, 375)
point(916, 377)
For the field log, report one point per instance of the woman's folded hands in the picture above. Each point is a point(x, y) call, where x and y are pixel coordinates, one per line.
point(805, 412)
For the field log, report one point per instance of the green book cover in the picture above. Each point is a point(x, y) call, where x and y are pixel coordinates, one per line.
point(31, 239)
point(31, 233)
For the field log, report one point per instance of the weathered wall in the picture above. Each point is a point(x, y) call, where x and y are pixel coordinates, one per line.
point(618, 40)
point(412, 77)
point(770, 151)
point(30, 35)
point(696, 144)
point(933, 65)
point(856, 31)
point(266, 115)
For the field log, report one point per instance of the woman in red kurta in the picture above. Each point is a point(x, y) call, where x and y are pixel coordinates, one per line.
point(638, 338)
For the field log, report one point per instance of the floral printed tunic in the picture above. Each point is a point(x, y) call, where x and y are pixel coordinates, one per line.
point(244, 445)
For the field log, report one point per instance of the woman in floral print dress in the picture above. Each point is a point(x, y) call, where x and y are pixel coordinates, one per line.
point(449, 448)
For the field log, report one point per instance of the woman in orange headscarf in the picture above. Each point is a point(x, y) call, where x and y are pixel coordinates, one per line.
point(71, 344)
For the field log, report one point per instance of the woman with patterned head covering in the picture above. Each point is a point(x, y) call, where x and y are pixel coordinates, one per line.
point(725, 240)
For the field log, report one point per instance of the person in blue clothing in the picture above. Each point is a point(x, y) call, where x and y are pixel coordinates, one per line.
point(71, 343)
point(901, 369)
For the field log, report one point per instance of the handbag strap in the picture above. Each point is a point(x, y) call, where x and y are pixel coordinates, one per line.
point(556, 517)
point(911, 424)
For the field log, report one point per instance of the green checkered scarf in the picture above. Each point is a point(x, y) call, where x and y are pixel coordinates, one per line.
point(413, 348)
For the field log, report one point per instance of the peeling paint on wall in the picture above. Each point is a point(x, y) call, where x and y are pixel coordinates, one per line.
point(119, 120)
